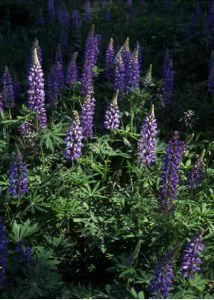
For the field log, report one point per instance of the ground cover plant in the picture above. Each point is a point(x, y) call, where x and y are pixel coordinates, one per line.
point(106, 142)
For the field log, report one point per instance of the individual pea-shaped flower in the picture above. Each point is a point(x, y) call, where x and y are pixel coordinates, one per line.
point(191, 256)
point(169, 176)
point(161, 282)
point(73, 139)
point(148, 140)
point(112, 114)
point(88, 110)
point(8, 89)
point(36, 91)
point(72, 73)
point(24, 252)
point(18, 181)
point(3, 253)
point(195, 174)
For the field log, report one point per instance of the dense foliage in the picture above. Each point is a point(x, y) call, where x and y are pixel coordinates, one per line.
point(106, 142)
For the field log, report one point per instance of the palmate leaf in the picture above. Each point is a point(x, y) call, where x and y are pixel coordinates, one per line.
point(51, 138)
point(21, 231)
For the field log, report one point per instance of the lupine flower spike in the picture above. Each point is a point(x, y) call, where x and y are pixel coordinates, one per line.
point(211, 74)
point(112, 115)
point(126, 56)
point(148, 140)
point(148, 81)
point(133, 74)
point(18, 183)
point(169, 176)
point(161, 282)
point(36, 92)
point(74, 139)
point(71, 74)
point(76, 20)
point(53, 87)
point(109, 60)
point(3, 253)
point(119, 83)
point(26, 131)
point(8, 89)
point(87, 7)
point(168, 80)
point(24, 253)
point(51, 9)
point(195, 174)
point(1, 104)
point(87, 116)
point(191, 257)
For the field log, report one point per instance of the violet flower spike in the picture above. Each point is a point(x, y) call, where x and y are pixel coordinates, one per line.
point(58, 55)
point(161, 282)
point(53, 87)
point(109, 60)
point(36, 92)
point(126, 57)
point(18, 182)
point(73, 139)
point(134, 72)
point(169, 176)
point(3, 253)
point(195, 174)
point(24, 253)
point(72, 73)
point(1, 104)
point(148, 140)
point(76, 19)
point(191, 256)
point(51, 9)
point(8, 89)
point(119, 83)
point(26, 132)
point(112, 114)
point(168, 82)
point(88, 110)
point(87, 7)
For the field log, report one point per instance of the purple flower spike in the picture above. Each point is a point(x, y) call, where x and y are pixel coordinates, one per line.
point(36, 91)
point(161, 282)
point(191, 257)
point(109, 60)
point(126, 56)
point(168, 80)
point(133, 72)
point(18, 183)
point(1, 104)
point(195, 174)
point(8, 89)
point(87, 80)
point(112, 115)
point(119, 83)
point(62, 16)
point(58, 55)
point(23, 252)
point(140, 57)
point(88, 109)
point(26, 131)
point(76, 20)
point(148, 140)
point(3, 253)
point(72, 73)
point(169, 177)
point(63, 38)
point(74, 139)
point(51, 9)
point(87, 7)
point(53, 88)
point(209, 25)
point(59, 75)
point(211, 74)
